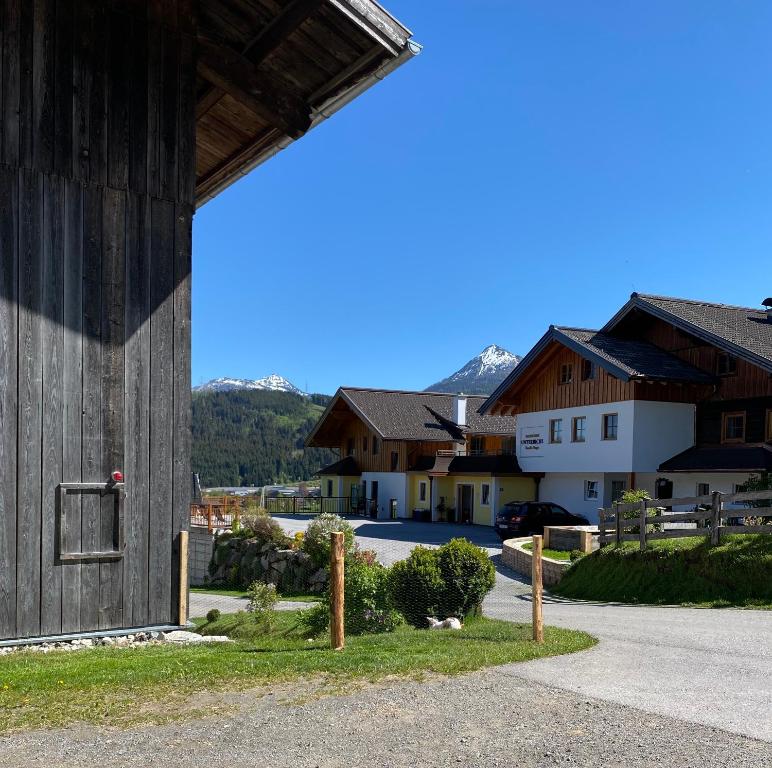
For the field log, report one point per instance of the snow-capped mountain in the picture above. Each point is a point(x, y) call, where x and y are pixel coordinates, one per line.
point(274, 383)
point(481, 375)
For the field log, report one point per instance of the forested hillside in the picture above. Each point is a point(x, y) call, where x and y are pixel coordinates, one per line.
point(255, 438)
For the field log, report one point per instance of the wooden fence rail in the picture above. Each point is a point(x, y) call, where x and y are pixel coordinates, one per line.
point(711, 515)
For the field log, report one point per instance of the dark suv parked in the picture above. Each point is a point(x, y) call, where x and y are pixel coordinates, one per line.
point(523, 518)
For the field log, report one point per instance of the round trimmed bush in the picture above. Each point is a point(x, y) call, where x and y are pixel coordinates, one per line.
point(467, 575)
point(415, 586)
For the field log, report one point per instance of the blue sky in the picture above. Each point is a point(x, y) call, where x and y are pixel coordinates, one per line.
point(536, 164)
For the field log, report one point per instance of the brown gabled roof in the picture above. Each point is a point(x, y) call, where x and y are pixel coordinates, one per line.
point(741, 331)
point(425, 416)
point(630, 358)
point(626, 359)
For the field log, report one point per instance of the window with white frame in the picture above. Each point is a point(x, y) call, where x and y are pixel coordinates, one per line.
point(591, 490)
point(485, 494)
point(422, 490)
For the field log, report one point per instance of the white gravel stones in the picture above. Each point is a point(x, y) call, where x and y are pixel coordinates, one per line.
point(135, 640)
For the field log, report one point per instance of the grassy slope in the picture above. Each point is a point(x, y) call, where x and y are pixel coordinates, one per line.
point(687, 571)
point(126, 687)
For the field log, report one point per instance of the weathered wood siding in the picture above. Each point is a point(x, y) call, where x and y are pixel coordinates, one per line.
point(541, 390)
point(97, 170)
point(748, 381)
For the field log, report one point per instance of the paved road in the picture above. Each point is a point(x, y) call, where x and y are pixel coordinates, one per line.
point(705, 666)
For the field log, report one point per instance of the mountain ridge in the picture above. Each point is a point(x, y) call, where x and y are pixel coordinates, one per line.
point(272, 383)
point(480, 375)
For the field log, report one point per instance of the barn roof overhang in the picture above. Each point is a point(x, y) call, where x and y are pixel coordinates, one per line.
point(268, 72)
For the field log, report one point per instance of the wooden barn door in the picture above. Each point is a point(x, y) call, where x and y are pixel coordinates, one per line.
point(96, 205)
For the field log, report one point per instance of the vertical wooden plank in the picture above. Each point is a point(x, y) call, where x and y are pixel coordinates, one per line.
point(162, 399)
point(137, 459)
point(52, 321)
point(170, 90)
point(72, 384)
point(186, 166)
point(25, 112)
point(112, 321)
point(91, 429)
point(119, 59)
point(154, 69)
point(97, 151)
point(138, 139)
point(43, 85)
point(82, 79)
point(64, 82)
point(8, 397)
point(30, 402)
point(182, 397)
point(11, 16)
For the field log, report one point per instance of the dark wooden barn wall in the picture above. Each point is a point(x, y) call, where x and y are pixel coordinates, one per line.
point(97, 145)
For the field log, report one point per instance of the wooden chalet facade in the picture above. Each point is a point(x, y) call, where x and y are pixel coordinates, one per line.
point(426, 455)
point(672, 395)
point(118, 118)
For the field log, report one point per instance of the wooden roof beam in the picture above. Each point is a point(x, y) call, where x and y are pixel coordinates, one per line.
point(266, 42)
point(237, 76)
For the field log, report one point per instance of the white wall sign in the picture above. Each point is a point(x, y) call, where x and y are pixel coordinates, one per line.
point(532, 440)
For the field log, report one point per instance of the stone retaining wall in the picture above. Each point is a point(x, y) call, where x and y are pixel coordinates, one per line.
point(519, 560)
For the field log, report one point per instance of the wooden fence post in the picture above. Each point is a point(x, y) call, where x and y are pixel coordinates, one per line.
point(602, 527)
point(715, 518)
point(337, 637)
point(536, 585)
point(618, 517)
point(209, 519)
point(642, 525)
point(183, 602)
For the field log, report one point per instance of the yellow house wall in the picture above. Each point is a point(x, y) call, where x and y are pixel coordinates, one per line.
point(515, 489)
point(413, 492)
point(341, 486)
point(448, 487)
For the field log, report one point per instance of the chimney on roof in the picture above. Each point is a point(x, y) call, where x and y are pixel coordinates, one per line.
point(768, 304)
point(459, 409)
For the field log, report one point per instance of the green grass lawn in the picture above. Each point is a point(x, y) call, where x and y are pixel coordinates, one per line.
point(553, 554)
point(125, 687)
point(685, 571)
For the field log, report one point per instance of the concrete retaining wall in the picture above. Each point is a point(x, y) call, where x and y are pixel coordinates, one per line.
point(519, 560)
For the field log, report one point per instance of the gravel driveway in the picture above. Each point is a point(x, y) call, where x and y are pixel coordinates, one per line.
point(485, 720)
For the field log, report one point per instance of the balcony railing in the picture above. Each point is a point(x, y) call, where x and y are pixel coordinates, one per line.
point(316, 505)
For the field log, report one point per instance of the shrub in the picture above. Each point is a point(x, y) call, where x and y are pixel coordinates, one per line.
point(213, 615)
point(316, 542)
point(262, 601)
point(367, 608)
point(366, 599)
point(415, 586)
point(467, 574)
point(449, 581)
point(634, 496)
point(265, 529)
